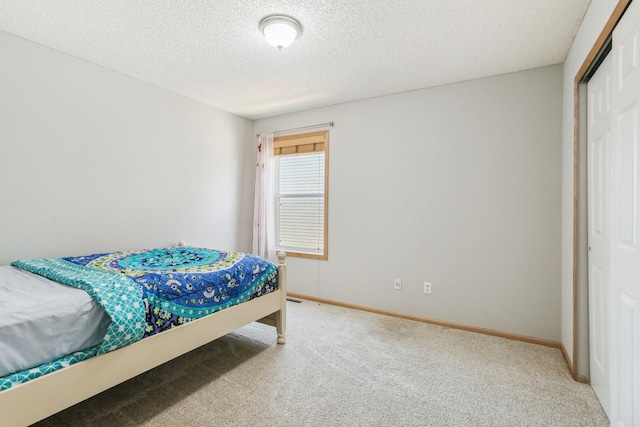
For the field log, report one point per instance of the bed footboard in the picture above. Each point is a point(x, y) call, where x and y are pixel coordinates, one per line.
point(279, 318)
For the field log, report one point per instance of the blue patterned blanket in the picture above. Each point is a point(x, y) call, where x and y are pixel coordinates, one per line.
point(149, 291)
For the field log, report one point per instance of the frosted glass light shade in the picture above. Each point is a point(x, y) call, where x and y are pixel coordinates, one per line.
point(280, 31)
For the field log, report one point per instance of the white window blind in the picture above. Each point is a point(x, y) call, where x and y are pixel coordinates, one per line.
point(300, 186)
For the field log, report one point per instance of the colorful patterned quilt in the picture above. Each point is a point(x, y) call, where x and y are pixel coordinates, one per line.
point(149, 291)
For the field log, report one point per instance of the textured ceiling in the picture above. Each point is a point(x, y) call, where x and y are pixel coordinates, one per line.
point(213, 51)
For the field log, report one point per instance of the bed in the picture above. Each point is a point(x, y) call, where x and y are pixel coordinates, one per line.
point(133, 345)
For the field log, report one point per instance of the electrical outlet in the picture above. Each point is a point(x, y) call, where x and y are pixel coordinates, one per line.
point(427, 287)
point(397, 284)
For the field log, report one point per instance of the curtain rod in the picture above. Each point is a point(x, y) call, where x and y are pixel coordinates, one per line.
point(330, 124)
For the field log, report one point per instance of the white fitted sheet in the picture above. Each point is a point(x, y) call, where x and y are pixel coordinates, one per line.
point(42, 320)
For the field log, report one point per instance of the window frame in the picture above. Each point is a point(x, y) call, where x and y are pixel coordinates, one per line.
point(301, 144)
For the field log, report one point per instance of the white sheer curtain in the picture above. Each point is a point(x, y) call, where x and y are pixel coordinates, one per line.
point(263, 219)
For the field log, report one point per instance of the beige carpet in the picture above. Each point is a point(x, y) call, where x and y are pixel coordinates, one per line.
point(343, 367)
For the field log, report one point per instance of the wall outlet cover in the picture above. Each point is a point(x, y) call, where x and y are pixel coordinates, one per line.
point(427, 287)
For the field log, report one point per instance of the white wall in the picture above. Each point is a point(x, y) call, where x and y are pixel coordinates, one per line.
point(91, 160)
point(459, 185)
point(594, 21)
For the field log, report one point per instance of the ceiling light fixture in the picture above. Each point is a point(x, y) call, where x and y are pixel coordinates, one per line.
point(280, 31)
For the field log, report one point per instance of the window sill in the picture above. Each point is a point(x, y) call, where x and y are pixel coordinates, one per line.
point(322, 257)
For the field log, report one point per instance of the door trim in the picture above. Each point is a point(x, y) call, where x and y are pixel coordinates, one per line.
point(579, 79)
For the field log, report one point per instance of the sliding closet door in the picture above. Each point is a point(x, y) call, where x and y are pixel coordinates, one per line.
point(625, 221)
point(598, 173)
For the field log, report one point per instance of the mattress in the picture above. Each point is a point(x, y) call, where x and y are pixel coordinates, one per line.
point(42, 320)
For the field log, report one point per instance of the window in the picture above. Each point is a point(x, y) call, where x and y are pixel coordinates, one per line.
point(301, 194)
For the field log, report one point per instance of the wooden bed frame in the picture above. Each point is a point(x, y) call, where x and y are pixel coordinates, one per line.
point(44, 396)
